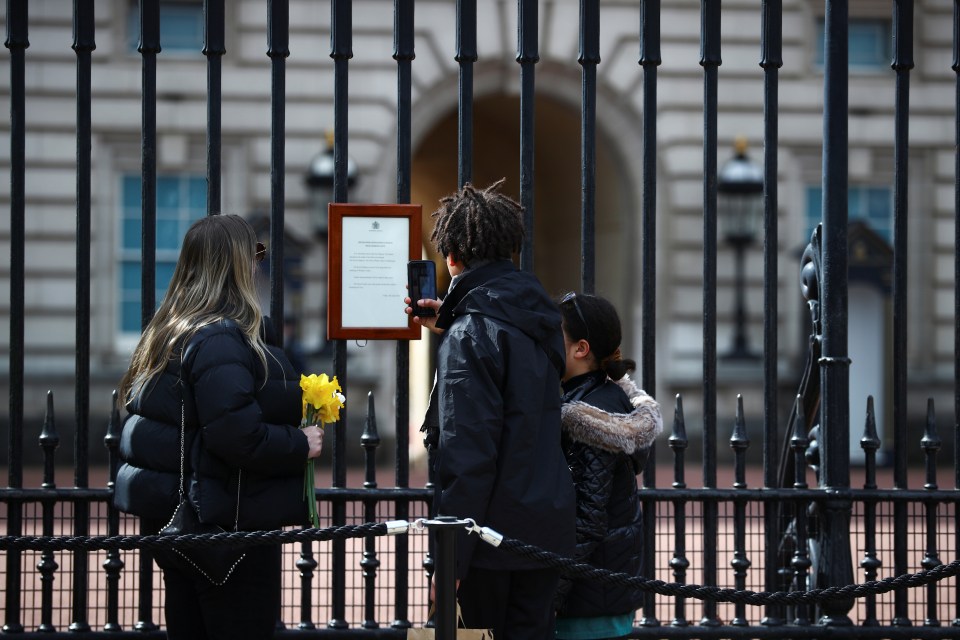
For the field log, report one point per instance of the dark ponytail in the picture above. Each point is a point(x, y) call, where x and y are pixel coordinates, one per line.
point(616, 367)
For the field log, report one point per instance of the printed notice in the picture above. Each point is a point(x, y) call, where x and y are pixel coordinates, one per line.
point(374, 271)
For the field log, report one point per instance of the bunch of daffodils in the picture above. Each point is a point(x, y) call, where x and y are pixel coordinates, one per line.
point(322, 401)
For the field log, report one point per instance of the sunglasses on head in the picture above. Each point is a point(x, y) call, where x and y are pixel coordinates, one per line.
point(572, 297)
point(261, 252)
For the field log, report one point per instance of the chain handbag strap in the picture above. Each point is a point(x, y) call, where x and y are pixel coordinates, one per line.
point(183, 474)
point(183, 429)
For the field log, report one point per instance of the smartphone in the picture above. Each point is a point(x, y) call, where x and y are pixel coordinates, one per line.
point(422, 283)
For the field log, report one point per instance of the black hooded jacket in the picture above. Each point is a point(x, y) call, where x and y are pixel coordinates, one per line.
point(499, 460)
point(608, 428)
point(240, 430)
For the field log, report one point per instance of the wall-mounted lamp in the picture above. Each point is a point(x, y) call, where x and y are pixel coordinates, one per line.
point(739, 216)
point(319, 181)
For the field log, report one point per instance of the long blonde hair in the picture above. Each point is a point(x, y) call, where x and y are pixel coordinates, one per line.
point(213, 281)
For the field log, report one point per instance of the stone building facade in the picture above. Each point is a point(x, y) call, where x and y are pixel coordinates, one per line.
point(181, 156)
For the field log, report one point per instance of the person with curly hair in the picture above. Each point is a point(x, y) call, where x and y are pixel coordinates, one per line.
point(496, 410)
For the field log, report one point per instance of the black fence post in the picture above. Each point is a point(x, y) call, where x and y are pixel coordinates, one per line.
point(341, 51)
point(148, 48)
point(710, 61)
point(649, 60)
point(17, 42)
point(834, 565)
point(404, 53)
point(589, 59)
point(465, 57)
point(528, 56)
point(771, 59)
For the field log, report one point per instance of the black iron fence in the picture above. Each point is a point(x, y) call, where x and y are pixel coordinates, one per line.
point(799, 524)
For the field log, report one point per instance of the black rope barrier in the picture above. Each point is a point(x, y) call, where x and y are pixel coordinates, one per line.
point(569, 567)
point(574, 569)
point(231, 538)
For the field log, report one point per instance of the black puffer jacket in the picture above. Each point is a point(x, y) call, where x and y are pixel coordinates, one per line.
point(608, 428)
point(499, 459)
point(238, 430)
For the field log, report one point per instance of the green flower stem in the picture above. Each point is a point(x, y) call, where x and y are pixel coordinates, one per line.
point(310, 494)
point(309, 477)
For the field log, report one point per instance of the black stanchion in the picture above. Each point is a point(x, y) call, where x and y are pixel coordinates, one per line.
point(445, 575)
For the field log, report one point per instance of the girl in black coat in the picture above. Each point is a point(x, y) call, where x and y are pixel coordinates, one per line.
point(608, 426)
point(203, 365)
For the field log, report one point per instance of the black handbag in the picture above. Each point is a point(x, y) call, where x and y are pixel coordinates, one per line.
point(216, 564)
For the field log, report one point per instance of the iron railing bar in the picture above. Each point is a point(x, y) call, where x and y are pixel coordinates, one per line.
point(425, 495)
point(740, 563)
point(871, 563)
point(324, 494)
point(710, 61)
point(404, 53)
point(764, 495)
point(370, 441)
point(931, 559)
point(589, 58)
point(787, 632)
point(902, 63)
point(341, 17)
point(836, 564)
point(649, 60)
point(466, 55)
point(17, 42)
point(797, 632)
point(49, 441)
point(771, 59)
point(956, 288)
point(527, 55)
point(83, 45)
point(149, 48)
point(278, 50)
point(679, 563)
point(213, 48)
point(114, 564)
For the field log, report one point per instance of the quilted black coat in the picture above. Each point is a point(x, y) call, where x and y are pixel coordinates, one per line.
point(608, 428)
point(242, 438)
point(498, 376)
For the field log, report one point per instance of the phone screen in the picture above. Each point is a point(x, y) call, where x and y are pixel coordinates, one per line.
point(422, 282)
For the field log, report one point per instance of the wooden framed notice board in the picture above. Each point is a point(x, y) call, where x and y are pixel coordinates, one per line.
point(369, 247)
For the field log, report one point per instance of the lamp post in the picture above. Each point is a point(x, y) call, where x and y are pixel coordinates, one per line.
point(319, 180)
point(739, 214)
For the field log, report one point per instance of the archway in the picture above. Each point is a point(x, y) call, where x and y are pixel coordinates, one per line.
point(557, 189)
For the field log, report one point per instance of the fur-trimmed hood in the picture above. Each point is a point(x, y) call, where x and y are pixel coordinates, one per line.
point(626, 432)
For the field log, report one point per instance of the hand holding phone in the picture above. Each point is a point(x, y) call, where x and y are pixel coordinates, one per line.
point(422, 285)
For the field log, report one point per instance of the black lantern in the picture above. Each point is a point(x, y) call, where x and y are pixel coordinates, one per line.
point(320, 185)
point(739, 217)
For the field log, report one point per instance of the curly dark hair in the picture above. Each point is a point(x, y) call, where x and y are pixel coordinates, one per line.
point(478, 224)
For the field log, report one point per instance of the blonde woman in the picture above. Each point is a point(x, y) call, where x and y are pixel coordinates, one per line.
point(204, 366)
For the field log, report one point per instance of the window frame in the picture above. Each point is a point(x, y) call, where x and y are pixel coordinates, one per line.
point(168, 46)
point(185, 214)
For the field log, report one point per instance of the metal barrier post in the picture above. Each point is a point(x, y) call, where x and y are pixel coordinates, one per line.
point(447, 528)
